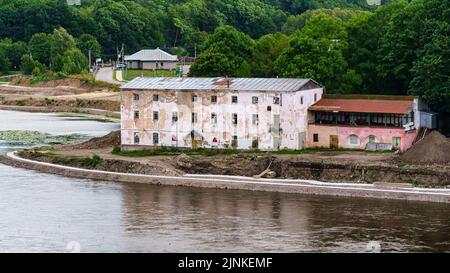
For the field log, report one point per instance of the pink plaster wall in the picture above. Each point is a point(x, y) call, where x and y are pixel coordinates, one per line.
point(383, 135)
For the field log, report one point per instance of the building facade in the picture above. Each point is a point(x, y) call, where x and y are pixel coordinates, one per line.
point(152, 59)
point(242, 113)
point(365, 122)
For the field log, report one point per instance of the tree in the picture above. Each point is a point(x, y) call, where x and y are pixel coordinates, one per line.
point(317, 52)
point(60, 42)
point(210, 64)
point(30, 66)
point(4, 63)
point(39, 46)
point(13, 51)
point(227, 43)
point(74, 62)
point(88, 42)
point(267, 49)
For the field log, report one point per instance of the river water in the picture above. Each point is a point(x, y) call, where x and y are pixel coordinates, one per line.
point(47, 213)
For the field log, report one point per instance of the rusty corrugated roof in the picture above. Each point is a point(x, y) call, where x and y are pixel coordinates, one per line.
point(238, 84)
point(390, 106)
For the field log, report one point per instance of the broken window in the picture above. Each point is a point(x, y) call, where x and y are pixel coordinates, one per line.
point(213, 118)
point(234, 119)
point(194, 117)
point(175, 117)
point(255, 119)
point(135, 97)
point(234, 99)
point(255, 100)
point(155, 138)
point(372, 139)
point(194, 98)
point(155, 97)
point(136, 138)
point(213, 99)
point(316, 137)
point(276, 100)
point(136, 114)
point(155, 115)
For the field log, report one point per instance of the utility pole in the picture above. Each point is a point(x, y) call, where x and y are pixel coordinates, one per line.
point(90, 59)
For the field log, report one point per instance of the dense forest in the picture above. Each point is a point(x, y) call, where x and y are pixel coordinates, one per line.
point(400, 48)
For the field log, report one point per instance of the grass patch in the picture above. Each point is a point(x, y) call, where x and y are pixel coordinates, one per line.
point(171, 151)
point(84, 161)
point(129, 74)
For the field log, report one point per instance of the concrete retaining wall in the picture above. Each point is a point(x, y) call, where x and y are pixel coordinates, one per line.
point(238, 183)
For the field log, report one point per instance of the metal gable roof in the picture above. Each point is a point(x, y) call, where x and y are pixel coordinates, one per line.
point(151, 55)
point(238, 84)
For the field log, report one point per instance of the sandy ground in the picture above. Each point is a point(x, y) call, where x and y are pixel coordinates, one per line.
point(60, 96)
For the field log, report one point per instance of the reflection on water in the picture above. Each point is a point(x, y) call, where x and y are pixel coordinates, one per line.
point(41, 212)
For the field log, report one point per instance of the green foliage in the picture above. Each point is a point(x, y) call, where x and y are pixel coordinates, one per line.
point(317, 52)
point(225, 53)
point(88, 42)
point(267, 49)
point(4, 63)
point(39, 46)
point(30, 66)
point(74, 62)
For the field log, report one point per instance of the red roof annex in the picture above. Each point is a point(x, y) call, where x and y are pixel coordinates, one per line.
point(363, 105)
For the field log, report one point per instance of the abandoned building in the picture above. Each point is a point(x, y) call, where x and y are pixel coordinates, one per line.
point(152, 59)
point(368, 122)
point(243, 113)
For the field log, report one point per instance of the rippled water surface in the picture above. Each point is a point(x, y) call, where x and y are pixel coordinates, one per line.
point(43, 213)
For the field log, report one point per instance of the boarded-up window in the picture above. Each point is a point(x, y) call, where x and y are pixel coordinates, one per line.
point(255, 100)
point(194, 98)
point(276, 100)
point(213, 118)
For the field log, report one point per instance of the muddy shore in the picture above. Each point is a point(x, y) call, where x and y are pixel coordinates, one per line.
point(339, 167)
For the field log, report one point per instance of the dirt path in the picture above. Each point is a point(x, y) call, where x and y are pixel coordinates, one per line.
point(106, 74)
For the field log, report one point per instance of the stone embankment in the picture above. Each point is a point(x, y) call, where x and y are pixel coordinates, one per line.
point(387, 191)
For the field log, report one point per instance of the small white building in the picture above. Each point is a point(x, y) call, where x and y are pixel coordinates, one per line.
point(243, 113)
point(152, 59)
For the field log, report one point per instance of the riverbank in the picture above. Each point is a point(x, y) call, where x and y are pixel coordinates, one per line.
point(387, 191)
point(65, 95)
